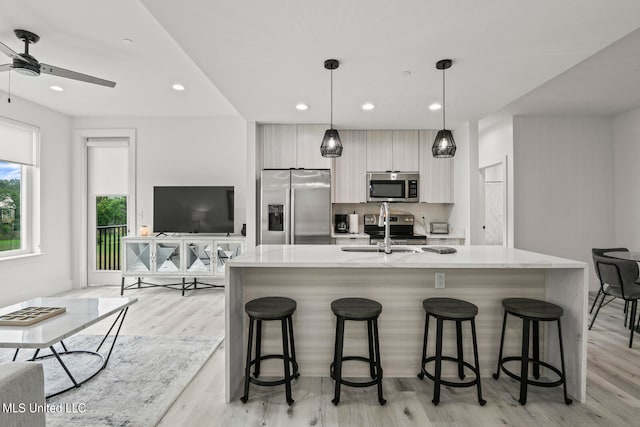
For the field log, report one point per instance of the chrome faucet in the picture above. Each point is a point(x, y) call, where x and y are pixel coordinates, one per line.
point(384, 210)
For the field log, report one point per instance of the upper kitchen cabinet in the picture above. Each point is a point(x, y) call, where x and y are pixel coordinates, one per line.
point(379, 150)
point(405, 150)
point(279, 146)
point(350, 169)
point(308, 147)
point(293, 146)
point(436, 175)
point(392, 150)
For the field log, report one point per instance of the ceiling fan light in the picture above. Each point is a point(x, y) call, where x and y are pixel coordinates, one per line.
point(331, 145)
point(444, 145)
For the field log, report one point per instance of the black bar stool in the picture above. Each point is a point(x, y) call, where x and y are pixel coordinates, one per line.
point(271, 308)
point(456, 310)
point(532, 311)
point(358, 309)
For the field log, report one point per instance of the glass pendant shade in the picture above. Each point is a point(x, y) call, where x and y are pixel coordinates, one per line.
point(444, 144)
point(331, 145)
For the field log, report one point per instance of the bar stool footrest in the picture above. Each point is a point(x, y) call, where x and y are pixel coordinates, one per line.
point(294, 373)
point(446, 382)
point(529, 380)
point(352, 383)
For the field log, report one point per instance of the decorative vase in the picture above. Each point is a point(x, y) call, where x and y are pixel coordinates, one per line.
point(244, 230)
point(144, 231)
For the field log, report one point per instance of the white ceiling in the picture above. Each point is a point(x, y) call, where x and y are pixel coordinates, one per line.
point(86, 36)
point(265, 56)
point(604, 84)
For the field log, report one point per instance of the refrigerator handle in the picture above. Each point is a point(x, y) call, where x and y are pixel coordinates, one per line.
point(293, 216)
point(287, 219)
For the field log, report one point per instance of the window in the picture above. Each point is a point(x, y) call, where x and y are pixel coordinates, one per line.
point(19, 215)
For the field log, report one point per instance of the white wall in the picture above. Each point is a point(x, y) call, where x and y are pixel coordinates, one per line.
point(184, 151)
point(564, 197)
point(465, 175)
point(50, 272)
point(626, 166)
point(495, 141)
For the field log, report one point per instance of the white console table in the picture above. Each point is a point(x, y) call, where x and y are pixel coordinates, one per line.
point(195, 259)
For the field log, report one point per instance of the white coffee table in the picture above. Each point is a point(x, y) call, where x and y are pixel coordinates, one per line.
point(80, 314)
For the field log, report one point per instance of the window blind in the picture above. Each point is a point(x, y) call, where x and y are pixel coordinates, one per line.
point(17, 143)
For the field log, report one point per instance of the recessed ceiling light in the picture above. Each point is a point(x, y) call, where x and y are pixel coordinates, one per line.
point(406, 73)
point(435, 106)
point(367, 106)
point(127, 41)
point(178, 86)
point(302, 107)
point(56, 88)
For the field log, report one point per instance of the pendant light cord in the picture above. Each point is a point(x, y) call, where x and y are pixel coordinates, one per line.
point(9, 97)
point(331, 120)
point(443, 103)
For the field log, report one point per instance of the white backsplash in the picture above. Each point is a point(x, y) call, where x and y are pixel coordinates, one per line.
point(432, 212)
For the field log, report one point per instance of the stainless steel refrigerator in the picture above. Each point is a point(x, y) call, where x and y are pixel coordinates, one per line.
point(295, 206)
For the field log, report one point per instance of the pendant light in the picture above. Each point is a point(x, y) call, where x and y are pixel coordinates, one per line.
point(331, 144)
point(444, 145)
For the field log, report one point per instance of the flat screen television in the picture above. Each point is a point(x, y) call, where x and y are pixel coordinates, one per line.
point(193, 209)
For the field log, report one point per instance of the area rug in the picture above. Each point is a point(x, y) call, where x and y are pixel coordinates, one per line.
point(144, 377)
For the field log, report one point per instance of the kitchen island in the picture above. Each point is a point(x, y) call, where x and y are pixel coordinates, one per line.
point(315, 275)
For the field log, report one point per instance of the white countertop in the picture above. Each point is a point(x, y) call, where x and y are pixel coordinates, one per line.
point(328, 256)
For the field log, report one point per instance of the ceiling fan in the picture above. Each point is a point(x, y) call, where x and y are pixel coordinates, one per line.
point(27, 65)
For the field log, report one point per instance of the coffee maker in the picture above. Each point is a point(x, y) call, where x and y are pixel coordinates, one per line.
point(341, 223)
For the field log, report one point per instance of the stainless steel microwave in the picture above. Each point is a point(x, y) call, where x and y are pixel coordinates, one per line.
point(392, 187)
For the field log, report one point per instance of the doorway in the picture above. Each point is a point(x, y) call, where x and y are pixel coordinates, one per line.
point(110, 207)
point(493, 197)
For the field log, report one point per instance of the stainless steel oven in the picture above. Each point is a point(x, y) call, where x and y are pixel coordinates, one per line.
point(392, 187)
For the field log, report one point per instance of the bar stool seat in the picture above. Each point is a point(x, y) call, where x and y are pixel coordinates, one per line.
point(270, 308)
point(527, 307)
point(455, 310)
point(532, 312)
point(450, 308)
point(357, 309)
point(265, 309)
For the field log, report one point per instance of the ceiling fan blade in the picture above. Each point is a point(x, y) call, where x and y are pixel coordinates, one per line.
point(10, 52)
point(6, 67)
point(62, 72)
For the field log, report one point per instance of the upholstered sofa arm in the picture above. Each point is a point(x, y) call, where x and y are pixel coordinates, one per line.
point(22, 394)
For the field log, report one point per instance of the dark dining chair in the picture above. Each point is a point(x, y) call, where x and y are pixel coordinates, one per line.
point(621, 275)
point(601, 252)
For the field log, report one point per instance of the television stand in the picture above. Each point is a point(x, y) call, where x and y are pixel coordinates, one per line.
point(199, 262)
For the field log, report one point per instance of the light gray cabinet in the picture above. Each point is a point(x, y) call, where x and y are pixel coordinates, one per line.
point(279, 146)
point(308, 147)
point(436, 175)
point(392, 150)
point(349, 170)
point(379, 150)
point(405, 150)
point(293, 146)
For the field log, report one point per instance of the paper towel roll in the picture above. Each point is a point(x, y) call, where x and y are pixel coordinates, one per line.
point(353, 223)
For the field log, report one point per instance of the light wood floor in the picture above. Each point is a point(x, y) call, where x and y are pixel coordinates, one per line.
point(613, 383)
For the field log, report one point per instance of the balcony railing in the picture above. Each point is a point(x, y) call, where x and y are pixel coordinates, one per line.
point(108, 246)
